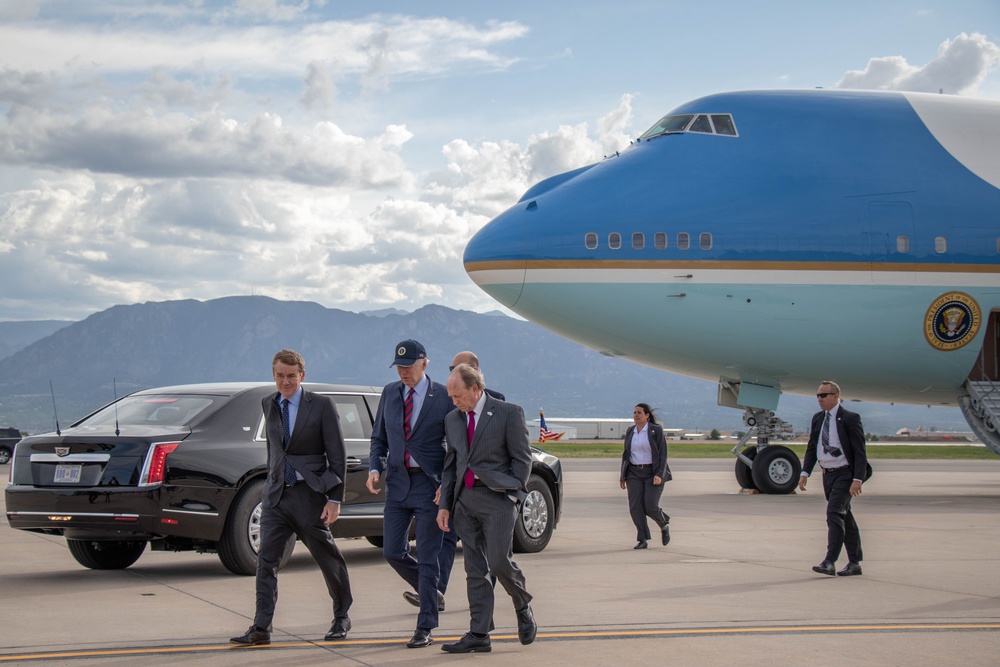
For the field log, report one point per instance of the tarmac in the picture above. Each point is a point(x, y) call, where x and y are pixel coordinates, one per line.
point(733, 587)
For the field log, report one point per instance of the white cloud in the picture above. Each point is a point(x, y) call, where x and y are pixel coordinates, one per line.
point(377, 47)
point(961, 65)
point(172, 145)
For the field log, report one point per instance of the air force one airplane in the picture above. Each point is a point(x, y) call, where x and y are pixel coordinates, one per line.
point(772, 239)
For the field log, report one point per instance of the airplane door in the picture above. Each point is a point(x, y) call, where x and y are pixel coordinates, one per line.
point(987, 368)
point(890, 233)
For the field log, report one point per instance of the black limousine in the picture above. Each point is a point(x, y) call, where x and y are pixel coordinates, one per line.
point(181, 469)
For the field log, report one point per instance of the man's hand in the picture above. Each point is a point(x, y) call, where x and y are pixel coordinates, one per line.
point(856, 488)
point(657, 480)
point(437, 496)
point(622, 484)
point(331, 512)
point(372, 481)
point(443, 516)
point(802, 482)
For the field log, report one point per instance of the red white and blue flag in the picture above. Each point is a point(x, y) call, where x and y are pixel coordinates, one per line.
point(544, 434)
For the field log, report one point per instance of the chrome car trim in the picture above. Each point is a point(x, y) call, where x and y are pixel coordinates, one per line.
point(72, 458)
point(190, 512)
point(73, 514)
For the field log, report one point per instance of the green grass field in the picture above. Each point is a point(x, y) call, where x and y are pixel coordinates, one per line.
point(606, 449)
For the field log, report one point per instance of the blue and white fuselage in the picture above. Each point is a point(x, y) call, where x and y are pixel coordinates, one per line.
point(776, 238)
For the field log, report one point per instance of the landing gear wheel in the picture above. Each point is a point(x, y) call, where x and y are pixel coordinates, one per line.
point(776, 469)
point(744, 476)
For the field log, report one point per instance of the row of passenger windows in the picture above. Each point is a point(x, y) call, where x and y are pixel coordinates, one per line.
point(659, 241)
point(683, 242)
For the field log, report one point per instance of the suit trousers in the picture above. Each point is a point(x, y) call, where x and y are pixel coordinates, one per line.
point(446, 559)
point(644, 500)
point(842, 529)
point(484, 520)
point(421, 572)
point(298, 512)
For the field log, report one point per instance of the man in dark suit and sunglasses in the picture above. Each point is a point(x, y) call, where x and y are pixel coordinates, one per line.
point(837, 443)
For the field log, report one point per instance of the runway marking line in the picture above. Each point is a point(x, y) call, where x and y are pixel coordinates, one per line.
point(594, 634)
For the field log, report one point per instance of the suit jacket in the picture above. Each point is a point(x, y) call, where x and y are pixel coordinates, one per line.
point(316, 449)
point(495, 394)
point(852, 439)
point(658, 445)
point(500, 455)
point(426, 443)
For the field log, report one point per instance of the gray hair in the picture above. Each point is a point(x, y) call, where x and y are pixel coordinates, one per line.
point(470, 377)
point(836, 387)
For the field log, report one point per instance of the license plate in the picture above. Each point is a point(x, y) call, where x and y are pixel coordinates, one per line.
point(68, 474)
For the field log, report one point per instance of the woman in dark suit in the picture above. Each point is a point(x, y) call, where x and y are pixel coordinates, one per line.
point(644, 470)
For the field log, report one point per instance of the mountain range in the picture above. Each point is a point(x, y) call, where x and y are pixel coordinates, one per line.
point(131, 347)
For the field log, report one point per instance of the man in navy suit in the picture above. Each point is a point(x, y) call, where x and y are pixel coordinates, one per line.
point(306, 468)
point(837, 443)
point(408, 451)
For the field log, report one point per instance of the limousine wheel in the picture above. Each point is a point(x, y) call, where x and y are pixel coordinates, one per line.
point(241, 537)
point(4, 455)
point(105, 555)
point(533, 527)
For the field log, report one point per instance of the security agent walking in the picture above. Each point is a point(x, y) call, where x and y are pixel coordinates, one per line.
point(643, 473)
point(306, 468)
point(837, 443)
point(485, 473)
point(407, 448)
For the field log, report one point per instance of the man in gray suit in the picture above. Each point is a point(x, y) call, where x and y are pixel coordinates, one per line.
point(485, 472)
point(307, 465)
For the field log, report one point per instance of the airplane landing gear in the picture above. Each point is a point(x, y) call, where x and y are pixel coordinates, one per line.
point(765, 467)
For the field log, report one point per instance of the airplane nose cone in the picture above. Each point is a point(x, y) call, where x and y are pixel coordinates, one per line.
point(496, 257)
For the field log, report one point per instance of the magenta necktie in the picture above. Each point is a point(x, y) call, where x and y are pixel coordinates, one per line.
point(470, 479)
point(407, 413)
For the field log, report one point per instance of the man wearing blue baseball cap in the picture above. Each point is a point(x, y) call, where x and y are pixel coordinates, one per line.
point(407, 449)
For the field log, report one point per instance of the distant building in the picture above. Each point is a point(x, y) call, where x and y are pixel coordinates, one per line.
point(583, 428)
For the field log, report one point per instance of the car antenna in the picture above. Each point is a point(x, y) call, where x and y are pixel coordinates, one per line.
point(114, 385)
point(54, 413)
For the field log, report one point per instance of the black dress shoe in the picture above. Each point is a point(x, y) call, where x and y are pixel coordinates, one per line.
point(852, 569)
point(666, 535)
point(339, 629)
point(826, 567)
point(252, 637)
point(469, 643)
point(421, 638)
point(414, 599)
point(526, 627)
point(642, 545)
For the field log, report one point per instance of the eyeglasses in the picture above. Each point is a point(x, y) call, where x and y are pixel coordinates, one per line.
point(451, 368)
point(826, 393)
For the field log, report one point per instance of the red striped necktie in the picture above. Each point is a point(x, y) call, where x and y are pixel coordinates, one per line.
point(407, 413)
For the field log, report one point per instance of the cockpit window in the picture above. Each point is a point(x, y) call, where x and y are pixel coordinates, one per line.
point(701, 124)
point(719, 123)
point(724, 124)
point(668, 124)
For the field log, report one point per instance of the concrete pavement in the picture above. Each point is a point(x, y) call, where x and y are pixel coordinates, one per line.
point(734, 587)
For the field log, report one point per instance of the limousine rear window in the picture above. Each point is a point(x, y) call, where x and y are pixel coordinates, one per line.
point(719, 123)
point(151, 410)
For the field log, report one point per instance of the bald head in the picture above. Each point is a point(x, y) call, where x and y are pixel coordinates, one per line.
point(467, 358)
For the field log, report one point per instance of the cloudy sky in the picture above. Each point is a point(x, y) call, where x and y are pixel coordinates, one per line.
point(344, 152)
